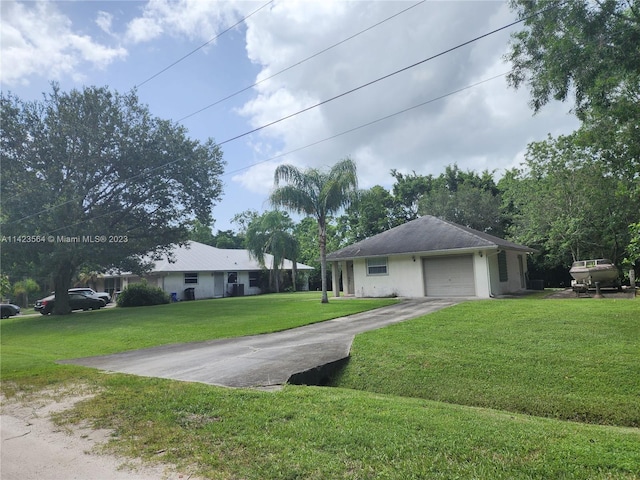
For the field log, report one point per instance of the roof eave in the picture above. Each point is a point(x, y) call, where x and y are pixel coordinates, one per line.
point(440, 252)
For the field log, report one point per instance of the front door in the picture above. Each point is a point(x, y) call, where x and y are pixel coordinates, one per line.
point(218, 284)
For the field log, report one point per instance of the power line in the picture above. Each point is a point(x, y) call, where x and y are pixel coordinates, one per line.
point(364, 125)
point(345, 132)
point(300, 62)
point(384, 77)
point(203, 45)
point(337, 96)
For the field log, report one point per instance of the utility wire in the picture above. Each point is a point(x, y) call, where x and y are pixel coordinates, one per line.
point(389, 75)
point(300, 62)
point(345, 132)
point(203, 45)
point(364, 125)
point(337, 96)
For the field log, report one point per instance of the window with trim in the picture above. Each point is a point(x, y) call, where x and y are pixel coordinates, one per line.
point(191, 277)
point(254, 279)
point(377, 266)
point(232, 277)
point(502, 266)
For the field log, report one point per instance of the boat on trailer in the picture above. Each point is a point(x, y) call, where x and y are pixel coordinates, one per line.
point(588, 272)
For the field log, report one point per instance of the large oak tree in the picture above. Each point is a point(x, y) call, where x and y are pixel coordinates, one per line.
point(91, 179)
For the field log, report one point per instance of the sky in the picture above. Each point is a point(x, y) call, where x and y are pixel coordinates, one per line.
point(285, 56)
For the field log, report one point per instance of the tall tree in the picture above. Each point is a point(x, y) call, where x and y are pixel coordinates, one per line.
point(407, 191)
point(466, 198)
point(228, 239)
point(271, 233)
point(372, 213)
point(201, 233)
point(319, 194)
point(588, 52)
point(566, 202)
point(91, 179)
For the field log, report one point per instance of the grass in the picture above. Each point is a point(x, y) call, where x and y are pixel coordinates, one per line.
point(396, 414)
point(31, 345)
point(571, 360)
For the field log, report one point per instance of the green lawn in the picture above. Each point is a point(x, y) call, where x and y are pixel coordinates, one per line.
point(573, 360)
point(31, 345)
point(402, 409)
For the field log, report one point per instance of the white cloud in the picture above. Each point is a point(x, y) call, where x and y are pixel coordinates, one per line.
point(104, 20)
point(193, 19)
point(483, 127)
point(39, 40)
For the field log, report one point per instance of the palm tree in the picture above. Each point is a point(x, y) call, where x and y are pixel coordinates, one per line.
point(319, 194)
point(270, 233)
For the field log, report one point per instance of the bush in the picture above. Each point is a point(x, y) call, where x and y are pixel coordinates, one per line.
point(140, 295)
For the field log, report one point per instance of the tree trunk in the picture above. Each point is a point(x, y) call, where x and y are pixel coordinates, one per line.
point(61, 284)
point(323, 258)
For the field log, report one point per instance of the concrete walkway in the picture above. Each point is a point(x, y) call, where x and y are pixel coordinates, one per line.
point(261, 360)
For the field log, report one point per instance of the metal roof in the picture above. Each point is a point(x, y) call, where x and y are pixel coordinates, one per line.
point(423, 235)
point(198, 257)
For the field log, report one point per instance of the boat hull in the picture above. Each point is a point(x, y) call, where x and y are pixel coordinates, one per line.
point(589, 272)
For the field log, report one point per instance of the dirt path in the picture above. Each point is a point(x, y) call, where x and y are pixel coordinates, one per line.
point(33, 448)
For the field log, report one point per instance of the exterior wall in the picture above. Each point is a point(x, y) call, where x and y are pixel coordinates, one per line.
point(205, 288)
point(515, 277)
point(174, 283)
point(405, 277)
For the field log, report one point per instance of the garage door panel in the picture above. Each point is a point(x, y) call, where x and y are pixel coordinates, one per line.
point(449, 276)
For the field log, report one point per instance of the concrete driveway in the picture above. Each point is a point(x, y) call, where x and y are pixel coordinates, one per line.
point(262, 361)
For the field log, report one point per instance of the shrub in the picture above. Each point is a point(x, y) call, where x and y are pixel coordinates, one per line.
point(141, 294)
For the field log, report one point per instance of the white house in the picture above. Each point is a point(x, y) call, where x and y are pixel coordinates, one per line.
point(204, 271)
point(433, 258)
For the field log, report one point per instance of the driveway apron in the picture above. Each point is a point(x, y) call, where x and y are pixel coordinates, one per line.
point(266, 360)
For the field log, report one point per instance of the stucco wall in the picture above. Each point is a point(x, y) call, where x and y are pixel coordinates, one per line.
point(205, 288)
point(514, 282)
point(405, 276)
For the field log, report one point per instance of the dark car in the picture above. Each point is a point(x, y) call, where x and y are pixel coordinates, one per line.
point(77, 301)
point(8, 310)
point(103, 295)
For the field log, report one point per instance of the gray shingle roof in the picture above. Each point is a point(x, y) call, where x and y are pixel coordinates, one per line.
point(425, 234)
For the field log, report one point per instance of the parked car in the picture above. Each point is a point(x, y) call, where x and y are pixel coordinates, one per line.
point(77, 301)
point(103, 295)
point(8, 310)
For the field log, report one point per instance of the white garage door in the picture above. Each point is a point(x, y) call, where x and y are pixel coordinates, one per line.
point(449, 276)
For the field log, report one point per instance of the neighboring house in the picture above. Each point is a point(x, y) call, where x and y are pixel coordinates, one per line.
point(433, 258)
point(209, 271)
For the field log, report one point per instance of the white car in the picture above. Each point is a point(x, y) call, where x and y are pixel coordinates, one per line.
point(90, 291)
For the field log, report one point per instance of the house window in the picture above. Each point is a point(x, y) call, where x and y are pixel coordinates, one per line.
point(502, 266)
point(191, 277)
point(254, 279)
point(232, 277)
point(377, 266)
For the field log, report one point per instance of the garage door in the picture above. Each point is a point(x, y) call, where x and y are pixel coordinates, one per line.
point(449, 276)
